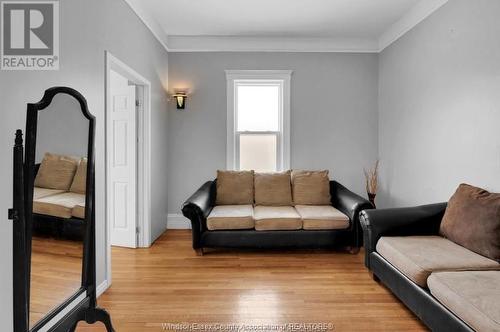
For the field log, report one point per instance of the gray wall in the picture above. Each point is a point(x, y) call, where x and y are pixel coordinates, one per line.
point(62, 129)
point(88, 28)
point(333, 115)
point(439, 105)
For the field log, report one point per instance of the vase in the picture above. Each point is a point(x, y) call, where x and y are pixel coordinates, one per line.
point(371, 198)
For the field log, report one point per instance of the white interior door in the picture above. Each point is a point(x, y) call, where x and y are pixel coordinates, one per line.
point(122, 137)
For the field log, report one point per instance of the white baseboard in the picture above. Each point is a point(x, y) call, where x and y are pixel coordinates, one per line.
point(177, 221)
point(102, 288)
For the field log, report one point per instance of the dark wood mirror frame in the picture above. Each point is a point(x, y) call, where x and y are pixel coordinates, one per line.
point(21, 214)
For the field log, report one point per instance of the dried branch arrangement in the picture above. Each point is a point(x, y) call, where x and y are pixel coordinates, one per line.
point(371, 177)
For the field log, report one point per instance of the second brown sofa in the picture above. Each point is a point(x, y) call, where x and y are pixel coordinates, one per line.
point(292, 209)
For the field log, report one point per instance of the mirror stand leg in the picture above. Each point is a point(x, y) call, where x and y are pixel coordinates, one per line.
point(102, 315)
point(73, 328)
point(91, 316)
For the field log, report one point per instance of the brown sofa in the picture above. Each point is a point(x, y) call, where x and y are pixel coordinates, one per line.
point(264, 202)
point(292, 209)
point(449, 287)
point(59, 196)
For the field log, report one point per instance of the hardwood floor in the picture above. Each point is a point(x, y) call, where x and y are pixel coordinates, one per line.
point(168, 283)
point(56, 274)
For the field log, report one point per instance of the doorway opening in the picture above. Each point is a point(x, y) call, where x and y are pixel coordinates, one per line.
point(128, 158)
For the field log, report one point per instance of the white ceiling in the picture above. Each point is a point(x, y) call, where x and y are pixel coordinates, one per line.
point(295, 18)
point(281, 25)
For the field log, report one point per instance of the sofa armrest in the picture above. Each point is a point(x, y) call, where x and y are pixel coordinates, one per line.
point(350, 204)
point(197, 208)
point(419, 220)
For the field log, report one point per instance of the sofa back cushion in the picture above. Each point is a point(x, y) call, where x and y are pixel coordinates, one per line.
point(472, 220)
point(311, 187)
point(234, 187)
point(273, 189)
point(56, 172)
point(80, 180)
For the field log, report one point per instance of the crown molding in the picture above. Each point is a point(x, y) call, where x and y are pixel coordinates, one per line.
point(269, 44)
point(413, 17)
point(417, 14)
point(149, 21)
point(243, 74)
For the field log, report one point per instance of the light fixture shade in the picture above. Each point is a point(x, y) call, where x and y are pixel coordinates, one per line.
point(180, 100)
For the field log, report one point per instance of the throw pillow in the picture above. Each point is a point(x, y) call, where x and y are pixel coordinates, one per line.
point(56, 172)
point(234, 187)
point(273, 189)
point(472, 220)
point(80, 181)
point(311, 187)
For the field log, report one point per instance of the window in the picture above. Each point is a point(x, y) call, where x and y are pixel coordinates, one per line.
point(258, 120)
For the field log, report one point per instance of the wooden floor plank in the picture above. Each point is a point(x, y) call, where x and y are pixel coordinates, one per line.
point(168, 283)
point(56, 274)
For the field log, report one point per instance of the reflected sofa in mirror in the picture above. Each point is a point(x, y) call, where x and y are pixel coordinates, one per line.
point(54, 235)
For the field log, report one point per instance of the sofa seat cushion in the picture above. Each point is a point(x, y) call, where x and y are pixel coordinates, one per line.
point(474, 296)
point(78, 211)
point(418, 256)
point(273, 218)
point(230, 217)
point(44, 192)
point(322, 217)
point(60, 205)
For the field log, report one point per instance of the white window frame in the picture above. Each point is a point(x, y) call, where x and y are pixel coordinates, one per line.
point(260, 78)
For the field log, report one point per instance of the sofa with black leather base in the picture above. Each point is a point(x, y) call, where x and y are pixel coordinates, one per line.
point(259, 224)
point(59, 197)
point(449, 287)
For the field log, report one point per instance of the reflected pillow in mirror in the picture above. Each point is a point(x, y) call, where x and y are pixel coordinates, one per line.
point(56, 172)
point(80, 180)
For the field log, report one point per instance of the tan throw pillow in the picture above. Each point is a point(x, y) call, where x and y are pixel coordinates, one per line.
point(472, 220)
point(273, 189)
point(311, 187)
point(234, 187)
point(56, 172)
point(80, 180)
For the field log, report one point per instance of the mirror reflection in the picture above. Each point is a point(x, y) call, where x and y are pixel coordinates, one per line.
point(58, 205)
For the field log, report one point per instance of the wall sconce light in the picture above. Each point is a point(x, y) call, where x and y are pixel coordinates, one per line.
point(180, 100)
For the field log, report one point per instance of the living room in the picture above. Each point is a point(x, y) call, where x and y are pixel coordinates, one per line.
point(279, 165)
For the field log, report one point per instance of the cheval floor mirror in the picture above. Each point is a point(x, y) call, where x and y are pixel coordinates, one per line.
point(54, 255)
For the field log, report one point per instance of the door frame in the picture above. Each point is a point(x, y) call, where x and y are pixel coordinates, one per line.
point(143, 154)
